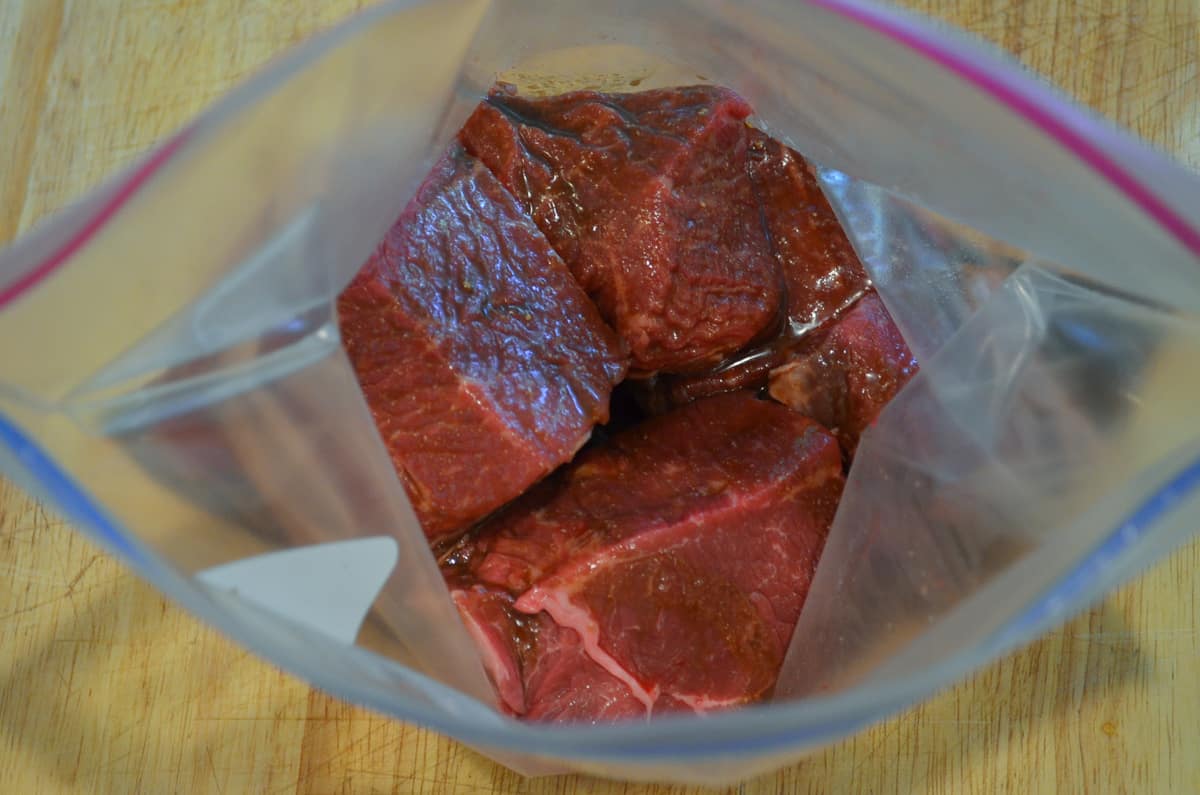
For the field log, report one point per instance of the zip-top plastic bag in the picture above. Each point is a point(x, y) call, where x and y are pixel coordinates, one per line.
point(174, 383)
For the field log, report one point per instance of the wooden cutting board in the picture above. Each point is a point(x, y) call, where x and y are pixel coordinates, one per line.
point(105, 687)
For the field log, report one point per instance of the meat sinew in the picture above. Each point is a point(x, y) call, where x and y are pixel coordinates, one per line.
point(541, 671)
point(647, 198)
point(844, 376)
point(484, 364)
point(667, 566)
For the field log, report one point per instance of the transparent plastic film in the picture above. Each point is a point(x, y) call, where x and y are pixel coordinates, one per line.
point(258, 212)
point(1053, 411)
point(199, 389)
point(171, 346)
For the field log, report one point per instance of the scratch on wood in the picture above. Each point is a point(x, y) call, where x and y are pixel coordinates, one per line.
point(212, 768)
point(79, 575)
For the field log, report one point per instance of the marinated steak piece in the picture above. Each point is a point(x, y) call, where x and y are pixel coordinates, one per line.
point(844, 376)
point(679, 553)
point(484, 364)
point(647, 198)
point(823, 274)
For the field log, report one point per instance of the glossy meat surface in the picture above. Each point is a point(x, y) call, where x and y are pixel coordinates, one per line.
point(679, 552)
point(845, 375)
point(483, 363)
point(647, 198)
point(822, 273)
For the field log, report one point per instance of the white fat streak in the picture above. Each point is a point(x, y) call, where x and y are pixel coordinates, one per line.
point(565, 614)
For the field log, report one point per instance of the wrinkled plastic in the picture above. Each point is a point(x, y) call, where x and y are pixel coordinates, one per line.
point(174, 382)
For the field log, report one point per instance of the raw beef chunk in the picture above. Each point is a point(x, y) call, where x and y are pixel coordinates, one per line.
point(647, 198)
point(844, 376)
point(679, 554)
point(820, 268)
point(483, 362)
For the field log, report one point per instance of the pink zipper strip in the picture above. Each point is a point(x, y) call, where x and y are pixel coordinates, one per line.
point(125, 192)
point(1039, 113)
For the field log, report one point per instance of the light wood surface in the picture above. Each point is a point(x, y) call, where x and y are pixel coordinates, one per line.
point(105, 687)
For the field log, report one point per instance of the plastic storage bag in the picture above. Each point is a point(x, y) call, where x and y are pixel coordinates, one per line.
point(174, 382)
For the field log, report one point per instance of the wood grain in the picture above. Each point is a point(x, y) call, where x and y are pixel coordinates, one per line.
point(104, 687)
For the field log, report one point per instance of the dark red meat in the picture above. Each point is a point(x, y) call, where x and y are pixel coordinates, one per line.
point(483, 362)
point(844, 376)
point(647, 198)
point(820, 268)
point(679, 553)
